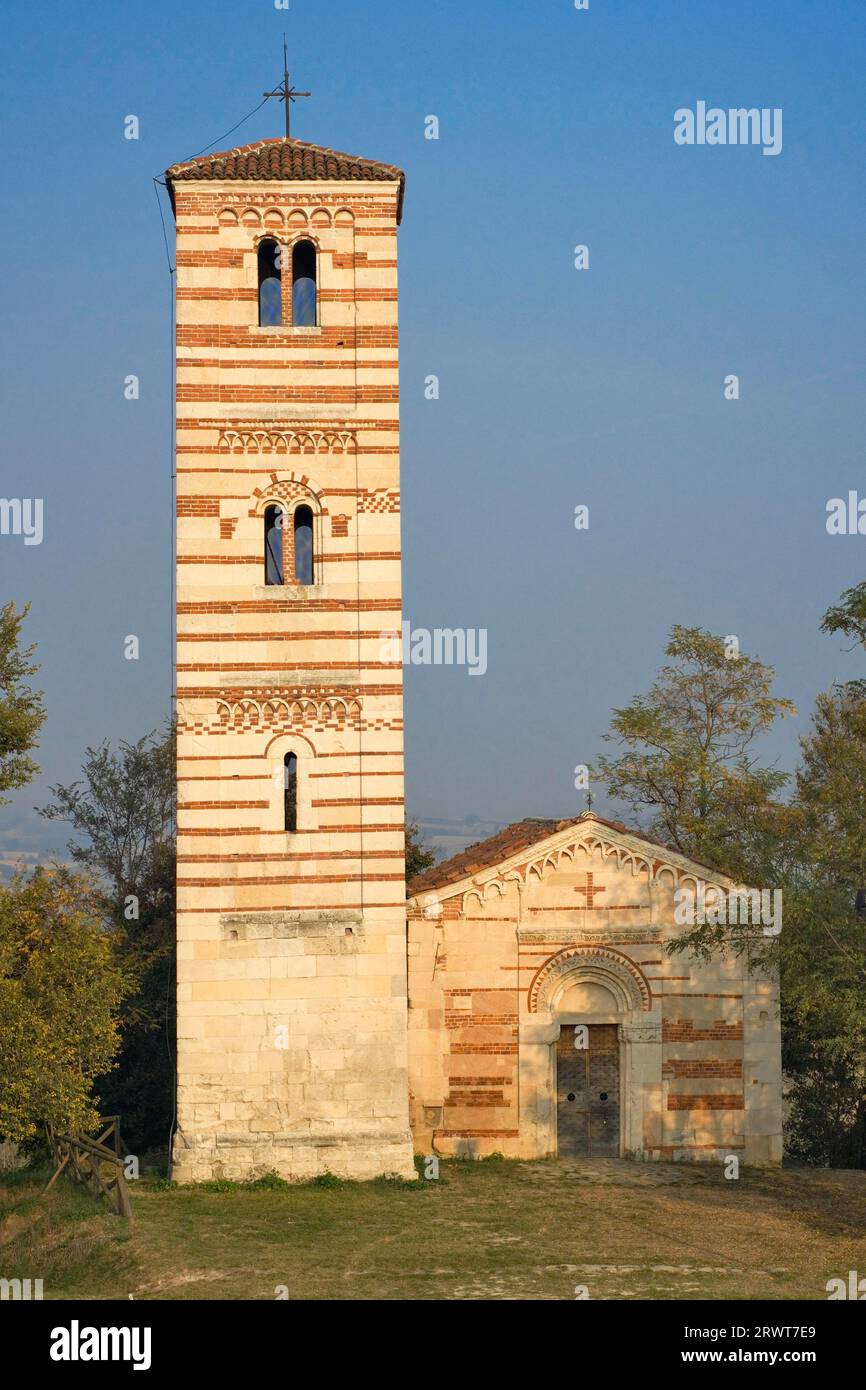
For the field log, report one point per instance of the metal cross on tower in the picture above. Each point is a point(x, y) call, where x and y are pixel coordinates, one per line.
point(286, 93)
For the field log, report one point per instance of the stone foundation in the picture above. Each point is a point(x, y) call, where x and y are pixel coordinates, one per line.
point(357, 1157)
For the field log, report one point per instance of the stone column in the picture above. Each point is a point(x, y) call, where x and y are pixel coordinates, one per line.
point(536, 1063)
point(642, 1084)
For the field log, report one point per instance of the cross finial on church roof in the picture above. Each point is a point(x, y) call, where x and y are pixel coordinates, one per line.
point(286, 93)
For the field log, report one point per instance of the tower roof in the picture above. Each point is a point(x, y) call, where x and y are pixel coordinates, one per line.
point(278, 158)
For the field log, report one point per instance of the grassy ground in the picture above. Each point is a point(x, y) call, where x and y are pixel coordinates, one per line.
point(491, 1230)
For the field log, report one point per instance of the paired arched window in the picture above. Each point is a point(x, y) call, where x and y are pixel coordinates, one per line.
point(301, 557)
point(303, 285)
point(274, 545)
point(290, 792)
point(270, 284)
point(303, 533)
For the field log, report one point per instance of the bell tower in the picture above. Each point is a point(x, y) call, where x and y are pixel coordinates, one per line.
point(292, 1036)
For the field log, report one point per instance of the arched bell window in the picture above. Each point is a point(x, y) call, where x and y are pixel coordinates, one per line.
point(270, 285)
point(290, 792)
point(304, 284)
point(303, 538)
point(274, 545)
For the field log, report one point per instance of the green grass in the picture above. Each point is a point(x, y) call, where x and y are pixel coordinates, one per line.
point(490, 1230)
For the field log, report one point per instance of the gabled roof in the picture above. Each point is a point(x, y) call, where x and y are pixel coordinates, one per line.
point(279, 158)
point(508, 843)
point(485, 853)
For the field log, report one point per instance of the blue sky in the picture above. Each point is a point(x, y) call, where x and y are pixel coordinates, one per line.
point(557, 386)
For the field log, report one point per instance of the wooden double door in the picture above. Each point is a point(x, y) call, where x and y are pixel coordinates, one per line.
point(587, 1091)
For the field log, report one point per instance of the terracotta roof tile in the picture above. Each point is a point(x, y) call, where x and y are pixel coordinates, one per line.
point(284, 159)
point(485, 853)
point(505, 843)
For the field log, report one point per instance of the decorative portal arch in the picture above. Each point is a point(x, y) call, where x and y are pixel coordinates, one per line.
point(590, 965)
point(591, 984)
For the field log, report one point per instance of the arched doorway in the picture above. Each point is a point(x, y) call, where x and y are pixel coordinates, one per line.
point(590, 1048)
point(587, 1065)
point(587, 1091)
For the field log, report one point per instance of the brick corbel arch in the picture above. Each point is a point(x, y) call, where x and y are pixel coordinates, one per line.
point(287, 236)
point(289, 492)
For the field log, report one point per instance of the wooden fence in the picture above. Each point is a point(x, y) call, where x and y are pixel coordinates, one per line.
point(94, 1163)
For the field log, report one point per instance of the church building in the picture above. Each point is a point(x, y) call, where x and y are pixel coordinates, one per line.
point(547, 1018)
point(523, 1002)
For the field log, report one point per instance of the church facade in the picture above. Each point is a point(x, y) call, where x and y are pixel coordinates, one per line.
point(547, 1017)
point(530, 978)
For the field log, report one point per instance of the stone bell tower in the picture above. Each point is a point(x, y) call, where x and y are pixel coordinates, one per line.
point(292, 1038)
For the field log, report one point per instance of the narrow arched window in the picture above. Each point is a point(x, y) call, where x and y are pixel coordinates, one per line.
point(270, 285)
point(290, 792)
point(304, 284)
point(303, 536)
point(274, 545)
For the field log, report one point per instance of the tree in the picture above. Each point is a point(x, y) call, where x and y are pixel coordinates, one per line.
point(418, 856)
point(123, 812)
point(21, 710)
point(123, 809)
point(848, 615)
point(814, 850)
point(689, 760)
point(141, 1087)
point(831, 789)
point(822, 949)
point(59, 992)
point(826, 1120)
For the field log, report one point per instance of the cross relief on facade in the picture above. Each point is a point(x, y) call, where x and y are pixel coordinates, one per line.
point(589, 890)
